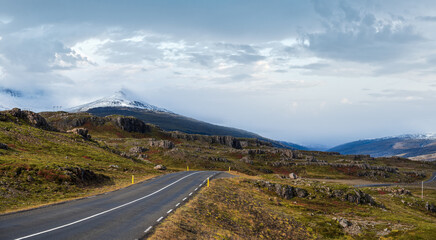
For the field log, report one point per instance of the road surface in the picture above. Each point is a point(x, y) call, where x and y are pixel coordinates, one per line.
point(129, 213)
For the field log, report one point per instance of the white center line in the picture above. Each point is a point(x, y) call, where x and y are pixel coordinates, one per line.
point(148, 229)
point(110, 210)
point(177, 204)
point(159, 219)
point(170, 210)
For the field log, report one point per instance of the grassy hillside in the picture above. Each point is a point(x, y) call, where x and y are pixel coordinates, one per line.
point(42, 166)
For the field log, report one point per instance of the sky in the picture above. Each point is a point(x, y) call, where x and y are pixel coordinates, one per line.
point(309, 72)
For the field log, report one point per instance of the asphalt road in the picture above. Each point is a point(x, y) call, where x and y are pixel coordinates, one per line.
point(128, 213)
point(430, 180)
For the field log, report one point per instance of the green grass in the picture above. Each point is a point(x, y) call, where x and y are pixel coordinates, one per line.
point(41, 155)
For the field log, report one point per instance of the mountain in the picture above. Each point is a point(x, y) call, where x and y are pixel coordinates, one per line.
point(412, 146)
point(294, 146)
point(119, 99)
point(122, 104)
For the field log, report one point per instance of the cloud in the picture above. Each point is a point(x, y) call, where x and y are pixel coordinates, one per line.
point(405, 95)
point(245, 58)
point(427, 18)
point(346, 101)
point(35, 51)
point(312, 66)
point(349, 34)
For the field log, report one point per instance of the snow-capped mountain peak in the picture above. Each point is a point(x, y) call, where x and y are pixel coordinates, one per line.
point(119, 99)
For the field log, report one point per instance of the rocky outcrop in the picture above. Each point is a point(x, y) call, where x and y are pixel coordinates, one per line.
point(360, 197)
point(161, 144)
point(34, 119)
point(130, 124)
point(281, 163)
point(348, 195)
point(223, 140)
point(218, 159)
point(285, 154)
point(65, 121)
point(253, 151)
point(362, 166)
point(226, 140)
point(83, 132)
point(85, 177)
point(137, 150)
point(282, 190)
point(415, 174)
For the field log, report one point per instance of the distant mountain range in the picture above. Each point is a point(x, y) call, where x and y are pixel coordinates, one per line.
point(413, 146)
point(122, 104)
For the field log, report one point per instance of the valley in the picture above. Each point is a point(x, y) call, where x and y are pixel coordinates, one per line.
point(58, 156)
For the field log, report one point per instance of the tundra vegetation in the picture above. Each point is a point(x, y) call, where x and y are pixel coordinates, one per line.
point(277, 194)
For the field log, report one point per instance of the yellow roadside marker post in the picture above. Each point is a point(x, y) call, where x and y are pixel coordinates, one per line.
point(133, 179)
point(208, 182)
point(187, 168)
point(229, 169)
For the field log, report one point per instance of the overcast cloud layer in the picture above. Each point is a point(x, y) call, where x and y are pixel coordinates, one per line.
point(310, 72)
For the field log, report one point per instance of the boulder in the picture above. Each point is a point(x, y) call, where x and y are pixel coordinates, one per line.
point(344, 222)
point(3, 146)
point(160, 167)
point(30, 178)
point(293, 176)
point(430, 207)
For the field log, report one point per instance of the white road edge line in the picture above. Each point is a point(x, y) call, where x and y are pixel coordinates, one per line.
point(148, 229)
point(159, 219)
point(196, 189)
point(190, 194)
point(110, 210)
point(184, 199)
point(177, 204)
point(169, 211)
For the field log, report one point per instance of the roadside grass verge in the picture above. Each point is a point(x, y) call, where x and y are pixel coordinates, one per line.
point(236, 209)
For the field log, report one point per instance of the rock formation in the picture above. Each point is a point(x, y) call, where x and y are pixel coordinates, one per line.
point(81, 132)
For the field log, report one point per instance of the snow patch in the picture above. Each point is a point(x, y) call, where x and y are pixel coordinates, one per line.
point(119, 99)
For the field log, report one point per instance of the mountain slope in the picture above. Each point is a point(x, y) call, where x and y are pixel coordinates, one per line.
point(121, 104)
point(417, 147)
